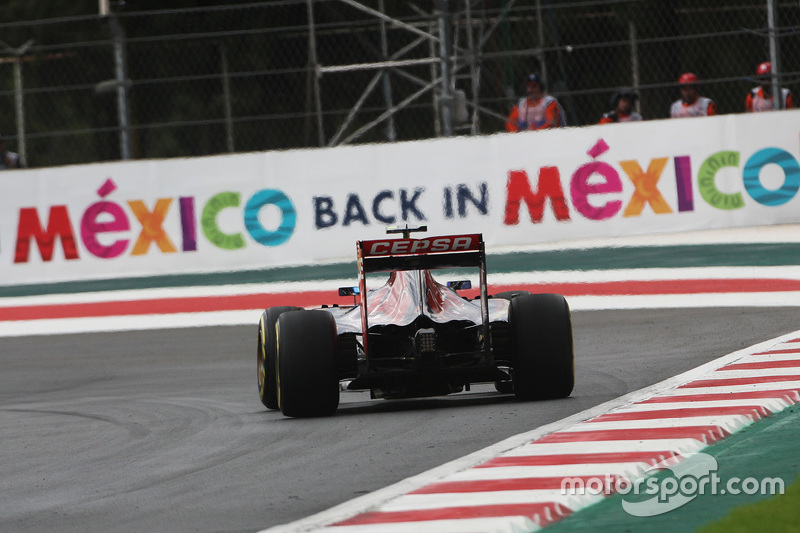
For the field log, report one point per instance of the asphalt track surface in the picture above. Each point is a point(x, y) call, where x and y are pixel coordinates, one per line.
point(163, 431)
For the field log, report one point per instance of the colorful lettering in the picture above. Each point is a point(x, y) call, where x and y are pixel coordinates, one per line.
point(683, 182)
point(707, 183)
point(518, 189)
point(752, 172)
point(254, 227)
point(646, 184)
point(58, 226)
point(188, 223)
point(581, 189)
point(152, 226)
point(90, 225)
point(208, 220)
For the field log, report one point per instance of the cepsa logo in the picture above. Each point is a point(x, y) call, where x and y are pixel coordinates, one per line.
point(452, 243)
point(109, 217)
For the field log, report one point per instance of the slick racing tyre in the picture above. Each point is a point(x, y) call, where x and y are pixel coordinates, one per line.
point(308, 380)
point(543, 358)
point(265, 356)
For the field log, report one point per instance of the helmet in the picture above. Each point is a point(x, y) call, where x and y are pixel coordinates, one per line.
point(688, 78)
point(535, 78)
point(623, 92)
point(764, 69)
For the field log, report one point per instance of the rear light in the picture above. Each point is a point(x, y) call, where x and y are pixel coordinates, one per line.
point(425, 340)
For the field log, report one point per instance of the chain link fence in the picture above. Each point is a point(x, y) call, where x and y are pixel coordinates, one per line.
point(301, 73)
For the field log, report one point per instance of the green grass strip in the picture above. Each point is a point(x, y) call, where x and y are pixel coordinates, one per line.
point(779, 514)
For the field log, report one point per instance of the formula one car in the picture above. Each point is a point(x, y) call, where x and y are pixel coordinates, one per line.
point(415, 337)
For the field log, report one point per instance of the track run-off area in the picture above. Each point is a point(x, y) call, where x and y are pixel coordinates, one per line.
point(136, 409)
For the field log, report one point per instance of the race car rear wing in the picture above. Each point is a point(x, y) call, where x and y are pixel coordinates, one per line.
point(448, 251)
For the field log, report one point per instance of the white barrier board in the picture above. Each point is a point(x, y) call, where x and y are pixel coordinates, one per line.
point(264, 209)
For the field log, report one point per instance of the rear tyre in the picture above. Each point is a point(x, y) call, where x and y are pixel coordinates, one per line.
point(308, 380)
point(265, 356)
point(510, 295)
point(541, 331)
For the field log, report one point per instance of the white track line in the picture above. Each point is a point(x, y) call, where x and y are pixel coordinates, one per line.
point(128, 323)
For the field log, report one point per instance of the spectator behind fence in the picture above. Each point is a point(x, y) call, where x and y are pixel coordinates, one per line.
point(537, 111)
point(10, 160)
point(691, 103)
point(761, 98)
point(622, 107)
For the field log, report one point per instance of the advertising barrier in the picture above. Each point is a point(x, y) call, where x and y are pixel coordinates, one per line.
point(257, 210)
